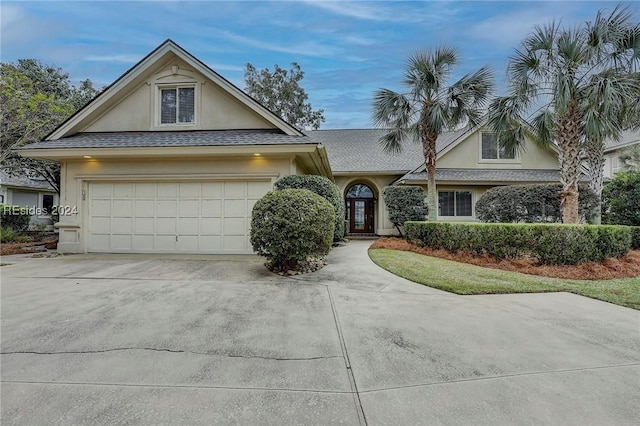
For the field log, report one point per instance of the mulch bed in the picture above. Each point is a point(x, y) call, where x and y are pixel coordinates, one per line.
point(47, 243)
point(624, 267)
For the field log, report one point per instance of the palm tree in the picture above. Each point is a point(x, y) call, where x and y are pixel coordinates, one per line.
point(575, 83)
point(430, 107)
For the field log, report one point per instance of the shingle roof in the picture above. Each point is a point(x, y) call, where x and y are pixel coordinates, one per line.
point(359, 150)
point(24, 182)
point(487, 175)
point(171, 138)
point(628, 137)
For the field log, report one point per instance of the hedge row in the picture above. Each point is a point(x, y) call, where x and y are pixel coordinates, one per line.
point(549, 243)
point(635, 237)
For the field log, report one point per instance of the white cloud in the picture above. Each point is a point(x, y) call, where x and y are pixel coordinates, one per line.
point(129, 59)
point(305, 48)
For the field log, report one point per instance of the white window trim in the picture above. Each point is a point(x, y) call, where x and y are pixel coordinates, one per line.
point(515, 160)
point(458, 218)
point(158, 104)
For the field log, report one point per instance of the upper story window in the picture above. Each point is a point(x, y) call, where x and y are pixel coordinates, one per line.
point(177, 105)
point(492, 151)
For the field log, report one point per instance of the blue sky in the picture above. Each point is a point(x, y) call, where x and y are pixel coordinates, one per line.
point(346, 49)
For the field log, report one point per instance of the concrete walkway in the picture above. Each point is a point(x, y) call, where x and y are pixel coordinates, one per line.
point(141, 339)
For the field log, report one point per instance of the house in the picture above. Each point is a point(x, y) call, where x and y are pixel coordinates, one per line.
point(612, 150)
point(37, 195)
point(171, 158)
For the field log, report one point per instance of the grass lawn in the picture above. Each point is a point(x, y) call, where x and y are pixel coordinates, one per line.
point(462, 278)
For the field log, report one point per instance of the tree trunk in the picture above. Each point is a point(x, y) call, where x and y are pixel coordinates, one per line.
point(595, 162)
point(429, 151)
point(569, 130)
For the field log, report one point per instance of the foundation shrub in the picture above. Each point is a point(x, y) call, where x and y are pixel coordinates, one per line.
point(290, 225)
point(323, 187)
point(554, 244)
point(14, 217)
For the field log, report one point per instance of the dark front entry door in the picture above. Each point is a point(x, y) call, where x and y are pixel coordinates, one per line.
point(360, 216)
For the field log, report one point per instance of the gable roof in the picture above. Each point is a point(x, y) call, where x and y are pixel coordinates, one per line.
point(70, 126)
point(359, 150)
point(24, 182)
point(627, 138)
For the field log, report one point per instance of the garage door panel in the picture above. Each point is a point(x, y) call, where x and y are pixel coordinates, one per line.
point(211, 208)
point(211, 226)
point(145, 208)
point(144, 225)
point(170, 217)
point(235, 208)
point(189, 208)
point(234, 243)
point(143, 242)
point(123, 190)
point(146, 190)
point(167, 190)
point(166, 225)
point(167, 208)
point(189, 190)
point(122, 208)
point(235, 189)
point(122, 225)
point(188, 226)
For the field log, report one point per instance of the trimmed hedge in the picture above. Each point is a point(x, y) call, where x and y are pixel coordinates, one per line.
point(635, 237)
point(290, 225)
point(323, 187)
point(531, 203)
point(554, 244)
point(404, 203)
point(14, 217)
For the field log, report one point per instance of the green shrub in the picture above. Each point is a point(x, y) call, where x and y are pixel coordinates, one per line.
point(323, 187)
point(404, 203)
point(635, 237)
point(531, 203)
point(7, 235)
point(621, 199)
point(23, 239)
point(548, 243)
point(14, 217)
point(289, 225)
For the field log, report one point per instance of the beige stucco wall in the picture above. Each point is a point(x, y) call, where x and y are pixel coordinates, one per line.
point(467, 154)
point(76, 176)
point(138, 109)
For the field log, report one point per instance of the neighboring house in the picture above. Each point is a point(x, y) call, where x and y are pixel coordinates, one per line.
point(171, 158)
point(612, 149)
point(35, 194)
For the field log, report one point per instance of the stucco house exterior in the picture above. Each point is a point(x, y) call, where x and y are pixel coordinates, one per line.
point(35, 194)
point(171, 157)
point(612, 150)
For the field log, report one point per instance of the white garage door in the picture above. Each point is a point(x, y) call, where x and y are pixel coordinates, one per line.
point(172, 217)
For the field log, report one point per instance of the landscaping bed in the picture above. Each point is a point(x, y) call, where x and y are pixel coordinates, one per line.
point(624, 267)
point(39, 244)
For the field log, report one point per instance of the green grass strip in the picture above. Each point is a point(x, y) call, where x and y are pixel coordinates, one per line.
point(462, 278)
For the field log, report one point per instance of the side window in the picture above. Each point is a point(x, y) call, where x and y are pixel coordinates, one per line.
point(47, 203)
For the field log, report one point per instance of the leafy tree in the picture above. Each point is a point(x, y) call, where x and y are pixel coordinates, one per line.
point(430, 107)
point(404, 203)
point(280, 91)
point(577, 83)
point(34, 100)
point(621, 199)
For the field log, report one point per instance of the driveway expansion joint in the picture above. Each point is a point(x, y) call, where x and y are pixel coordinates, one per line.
point(170, 351)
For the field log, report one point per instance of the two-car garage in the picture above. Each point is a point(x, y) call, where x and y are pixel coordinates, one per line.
point(172, 216)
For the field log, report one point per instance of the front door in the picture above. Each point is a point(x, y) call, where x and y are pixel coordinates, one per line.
point(361, 216)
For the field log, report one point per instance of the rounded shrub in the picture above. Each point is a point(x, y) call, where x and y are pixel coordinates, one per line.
point(14, 217)
point(290, 225)
point(324, 188)
point(405, 203)
point(531, 203)
point(621, 199)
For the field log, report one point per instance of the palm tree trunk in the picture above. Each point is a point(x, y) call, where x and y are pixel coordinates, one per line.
point(568, 136)
point(595, 162)
point(429, 151)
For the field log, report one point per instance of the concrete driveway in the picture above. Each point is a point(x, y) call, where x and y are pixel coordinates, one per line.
point(101, 339)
